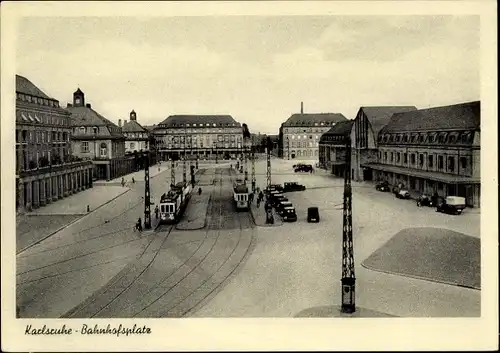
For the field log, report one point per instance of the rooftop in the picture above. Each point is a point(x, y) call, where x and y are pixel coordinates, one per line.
point(312, 119)
point(379, 116)
point(463, 116)
point(199, 121)
point(23, 85)
point(133, 126)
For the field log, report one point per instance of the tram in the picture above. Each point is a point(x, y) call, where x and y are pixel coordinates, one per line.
point(174, 203)
point(240, 195)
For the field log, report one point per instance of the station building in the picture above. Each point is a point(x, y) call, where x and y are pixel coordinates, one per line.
point(98, 139)
point(300, 134)
point(332, 147)
point(364, 148)
point(433, 150)
point(198, 136)
point(46, 170)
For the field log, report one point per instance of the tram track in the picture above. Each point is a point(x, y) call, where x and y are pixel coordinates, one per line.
point(80, 309)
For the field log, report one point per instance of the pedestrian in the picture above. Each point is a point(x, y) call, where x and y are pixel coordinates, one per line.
point(133, 180)
point(156, 211)
point(123, 182)
point(199, 191)
point(139, 225)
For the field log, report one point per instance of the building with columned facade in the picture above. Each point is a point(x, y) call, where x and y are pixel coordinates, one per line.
point(98, 139)
point(299, 135)
point(433, 150)
point(198, 136)
point(46, 170)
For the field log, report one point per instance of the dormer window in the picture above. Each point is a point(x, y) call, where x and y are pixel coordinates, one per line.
point(82, 129)
point(187, 125)
point(194, 125)
point(214, 125)
point(96, 129)
point(29, 98)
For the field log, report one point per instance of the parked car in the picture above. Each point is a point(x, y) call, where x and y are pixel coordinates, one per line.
point(306, 168)
point(289, 214)
point(312, 214)
point(276, 198)
point(293, 186)
point(403, 194)
point(383, 186)
point(277, 187)
point(425, 200)
point(281, 206)
point(451, 205)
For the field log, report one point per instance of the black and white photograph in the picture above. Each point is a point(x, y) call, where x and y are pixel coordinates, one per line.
point(292, 164)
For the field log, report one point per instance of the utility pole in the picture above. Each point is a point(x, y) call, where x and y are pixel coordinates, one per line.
point(269, 208)
point(253, 169)
point(348, 277)
point(184, 159)
point(172, 171)
point(147, 199)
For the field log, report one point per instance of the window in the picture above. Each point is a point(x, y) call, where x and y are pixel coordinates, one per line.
point(452, 139)
point(405, 157)
point(132, 145)
point(463, 162)
point(405, 139)
point(431, 161)
point(96, 129)
point(440, 162)
point(103, 150)
point(385, 156)
point(85, 146)
point(451, 164)
point(421, 159)
point(431, 139)
point(398, 157)
point(83, 130)
point(379, 155)
point(412, 158)
point(392, 157)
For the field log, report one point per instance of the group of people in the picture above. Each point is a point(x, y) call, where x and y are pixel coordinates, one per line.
point(123, 181)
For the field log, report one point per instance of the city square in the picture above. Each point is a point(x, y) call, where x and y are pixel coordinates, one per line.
point(181, 179)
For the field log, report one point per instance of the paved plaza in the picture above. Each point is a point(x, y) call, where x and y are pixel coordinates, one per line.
point(234, 265)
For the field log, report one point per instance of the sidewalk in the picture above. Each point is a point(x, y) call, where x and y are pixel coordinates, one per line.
point(195, 216)
point(138, 176)
point(259, 216)
point(76, 204)
point(41, 223)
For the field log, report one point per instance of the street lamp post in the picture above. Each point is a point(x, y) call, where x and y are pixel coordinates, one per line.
point(288, 146)
point(147, 199)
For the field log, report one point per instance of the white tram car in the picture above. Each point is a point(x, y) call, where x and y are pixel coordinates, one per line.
point(240, 195)
point(173, 204)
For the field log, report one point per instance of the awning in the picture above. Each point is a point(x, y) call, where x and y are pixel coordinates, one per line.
point(436, 176)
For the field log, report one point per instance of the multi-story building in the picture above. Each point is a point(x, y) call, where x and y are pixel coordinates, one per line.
point(433, 150)
point(299, 135)
point(367, 124)
point(96, 138)
point(203, 136)
point(332, 151)
point(136, 136)
point(45, 168)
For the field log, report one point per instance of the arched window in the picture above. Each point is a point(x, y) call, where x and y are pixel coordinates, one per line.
point(103, 150)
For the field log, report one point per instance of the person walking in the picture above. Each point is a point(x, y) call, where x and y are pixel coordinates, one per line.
point(133, 180)
point(199, 191)
point(156, 211)
point(123, 182)
point(139, 225)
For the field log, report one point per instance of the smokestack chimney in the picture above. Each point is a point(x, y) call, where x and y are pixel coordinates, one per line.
point(120, 122)
point(301, 107)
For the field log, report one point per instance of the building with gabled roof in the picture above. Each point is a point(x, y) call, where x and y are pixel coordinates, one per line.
point(332, 147)
point(198, 136)
point(299, 135)
point(97, 138)
point(136, 136)
point(46, 170)
point(367, 124)
point(434, 150)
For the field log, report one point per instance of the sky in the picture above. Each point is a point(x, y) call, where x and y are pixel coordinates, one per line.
point(256, 69)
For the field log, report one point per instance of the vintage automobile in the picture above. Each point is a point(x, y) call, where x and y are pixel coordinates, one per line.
point(383, 186)
point(281, 206)
point(306, 168)
point(289, 214)
point(312, 214)
point(277, 187)
point(425, 200)
point(277, 198)
point(451, 205)
point(293, 186)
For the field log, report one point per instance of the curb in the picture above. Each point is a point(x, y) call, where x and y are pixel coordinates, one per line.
point(69, 224)
point(266, 225)
point(421, 278)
